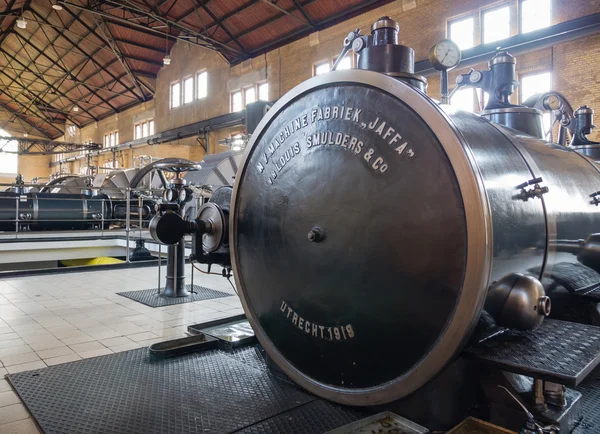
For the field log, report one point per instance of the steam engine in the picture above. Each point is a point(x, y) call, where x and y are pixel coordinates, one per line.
point(370, 227)
point(60, 211)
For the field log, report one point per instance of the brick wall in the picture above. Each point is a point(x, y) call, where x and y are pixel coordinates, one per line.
point(572, 64)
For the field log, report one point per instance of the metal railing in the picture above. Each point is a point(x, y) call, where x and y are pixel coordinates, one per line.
point(24, 217)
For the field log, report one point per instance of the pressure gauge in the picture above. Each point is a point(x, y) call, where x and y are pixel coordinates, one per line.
point(475, 76)
point(552, 102)
point(170, 194)
point(444, 55)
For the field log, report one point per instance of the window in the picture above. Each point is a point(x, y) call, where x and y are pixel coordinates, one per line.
point(321, 68)
point(8, 162)
point(345, 63)
point(535, 14)
point(263, 91)
point(202, 84)
point(188, 90)
point(175, 95)
point(463, 99)
point(496, 24)
point(462, 32)
point(237, 103)
point(533, 84)
point(143, 129)
point(249, 95)
point(240, 98)
point(111, 139)
point(85, 142)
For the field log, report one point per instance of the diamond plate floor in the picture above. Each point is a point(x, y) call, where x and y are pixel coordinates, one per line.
point(210, 392)
point(559, 351)
point(150, 297)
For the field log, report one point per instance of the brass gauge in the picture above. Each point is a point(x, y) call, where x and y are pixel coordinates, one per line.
point(552, 102)
point(445, 55)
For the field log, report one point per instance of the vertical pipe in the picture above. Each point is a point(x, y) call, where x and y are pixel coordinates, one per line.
point(102, 213)
point(140, 203)
point(192, 271)
point(17, 217)
point(127, 222)
point(159, 265)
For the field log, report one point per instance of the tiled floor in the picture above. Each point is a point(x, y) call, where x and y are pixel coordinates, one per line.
point(58, 318)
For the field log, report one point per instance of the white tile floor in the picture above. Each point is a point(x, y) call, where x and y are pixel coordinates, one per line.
point(59, 318)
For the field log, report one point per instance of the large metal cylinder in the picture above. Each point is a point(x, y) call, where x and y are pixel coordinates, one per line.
point(368, 224)
point(51, 211)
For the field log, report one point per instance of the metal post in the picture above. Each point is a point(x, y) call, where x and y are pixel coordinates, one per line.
point(127, 222)
point(140, 203)
point(102, 213)
point(17, 217)
point(192, 270)
point(159, 265)
point(444, 86)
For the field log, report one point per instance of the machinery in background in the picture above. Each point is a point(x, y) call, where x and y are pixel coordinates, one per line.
point(62, 211)
point(73, 202)
point(174, 199)
point(372, 230)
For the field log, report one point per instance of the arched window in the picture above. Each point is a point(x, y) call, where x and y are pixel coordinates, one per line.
point(8, 161)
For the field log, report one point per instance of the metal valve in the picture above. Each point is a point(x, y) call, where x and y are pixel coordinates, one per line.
point(536, 191)
point(352, 37)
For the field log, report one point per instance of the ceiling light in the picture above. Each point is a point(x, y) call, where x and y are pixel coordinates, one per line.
point(75, 108)
point(21, 23)
point(57, 7)
point(167, 60)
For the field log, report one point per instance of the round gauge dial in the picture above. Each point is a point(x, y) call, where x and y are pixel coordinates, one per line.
point(170, 194)
point(183, 195)
point(444, 55)
point(552, 102)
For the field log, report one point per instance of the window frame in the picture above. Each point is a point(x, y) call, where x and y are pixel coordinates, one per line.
point(171, 93)
point(470, 15)
point(491, 8)
point(520, 16)
point(198, 74)
point(241, 92)
point(350, 54)
point(245, 91)
point(530, 74)
point(141, 124)
point(258, 86)
point(319, 63)
point(107, 139)
point(183, 94)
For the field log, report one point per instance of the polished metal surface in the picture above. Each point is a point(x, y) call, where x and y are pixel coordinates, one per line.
point(457, 205)
point(212, 214)
point(571, 178)
point(524, 119)
point(518, 301)
point(519, 227)
point(476, 224)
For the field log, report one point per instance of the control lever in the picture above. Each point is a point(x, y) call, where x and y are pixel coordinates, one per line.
point(531, 426)
point(348, 41)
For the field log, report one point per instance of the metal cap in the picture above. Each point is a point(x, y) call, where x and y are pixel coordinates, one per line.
point(502, 57)
point(385, 23)
point(583, 110)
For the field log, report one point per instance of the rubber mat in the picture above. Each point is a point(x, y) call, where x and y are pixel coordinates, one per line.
point(590, 389)
point(210, 392)
point(314, 417)
point(150, 297)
